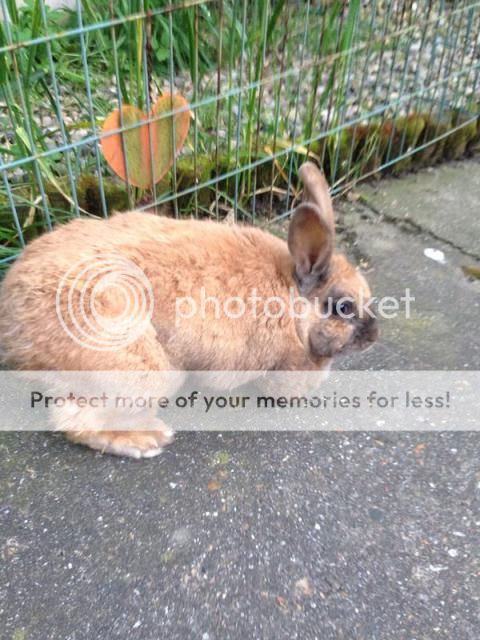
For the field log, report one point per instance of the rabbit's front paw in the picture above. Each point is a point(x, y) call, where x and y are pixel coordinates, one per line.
point(134, 444)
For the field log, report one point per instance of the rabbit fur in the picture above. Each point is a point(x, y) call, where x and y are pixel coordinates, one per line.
point(180, 258)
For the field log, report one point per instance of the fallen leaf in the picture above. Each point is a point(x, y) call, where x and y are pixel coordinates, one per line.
point(472, 271)
point(213, 485)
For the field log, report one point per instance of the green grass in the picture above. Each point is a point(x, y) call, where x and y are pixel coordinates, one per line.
point(203, 40)
point(206, 46)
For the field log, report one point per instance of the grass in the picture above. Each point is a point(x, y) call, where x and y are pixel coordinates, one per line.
point(297, 61)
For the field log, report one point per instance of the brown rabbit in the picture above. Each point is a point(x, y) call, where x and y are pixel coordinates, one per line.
point(173, 263)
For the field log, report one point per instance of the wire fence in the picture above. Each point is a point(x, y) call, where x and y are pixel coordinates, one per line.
point(361, 87)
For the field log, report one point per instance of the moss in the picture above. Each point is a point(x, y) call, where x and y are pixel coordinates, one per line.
point(342, 157)
point(89, 195)
point(318, 147)
point(436, 125)
point(372, 146)
point(189, 174)
point(262, 176)
point(417, 324)
point(220, 458)
point(456, 143)
point(407, 131)
point(356, 150)
point(473, 145)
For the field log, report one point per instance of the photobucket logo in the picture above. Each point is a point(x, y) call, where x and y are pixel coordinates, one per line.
point(104, 302)
point(295, 306)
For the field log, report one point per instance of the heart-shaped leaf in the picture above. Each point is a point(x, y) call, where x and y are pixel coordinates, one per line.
point(148, 149)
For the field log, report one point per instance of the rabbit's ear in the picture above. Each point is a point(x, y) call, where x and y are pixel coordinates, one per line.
point(310, 241)
point(315, 189)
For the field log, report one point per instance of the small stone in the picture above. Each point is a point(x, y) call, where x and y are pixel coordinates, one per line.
point(303, 587)
point(437, 568)
point(376, 514)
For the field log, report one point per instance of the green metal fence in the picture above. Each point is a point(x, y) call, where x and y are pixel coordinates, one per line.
point(361, 87)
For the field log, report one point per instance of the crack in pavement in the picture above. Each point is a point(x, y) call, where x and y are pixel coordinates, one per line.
point(410, 226)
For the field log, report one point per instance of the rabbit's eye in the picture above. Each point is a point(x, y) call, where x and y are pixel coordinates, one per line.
point(344, 309)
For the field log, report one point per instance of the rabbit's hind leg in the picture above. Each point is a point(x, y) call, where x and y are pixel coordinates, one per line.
point(134, 444)
point(143, 368)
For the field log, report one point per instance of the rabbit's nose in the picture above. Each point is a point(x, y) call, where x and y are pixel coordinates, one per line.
point(368, 330)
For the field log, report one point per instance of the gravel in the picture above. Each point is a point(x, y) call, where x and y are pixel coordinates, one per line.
point(423, 57)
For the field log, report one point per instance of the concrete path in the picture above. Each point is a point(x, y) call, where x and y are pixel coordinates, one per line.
point(273, 535)
point(388, 230)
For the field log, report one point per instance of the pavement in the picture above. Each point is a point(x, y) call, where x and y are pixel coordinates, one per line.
point(358, 536)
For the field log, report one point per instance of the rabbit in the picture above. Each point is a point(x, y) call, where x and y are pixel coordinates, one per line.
point(174, 261)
